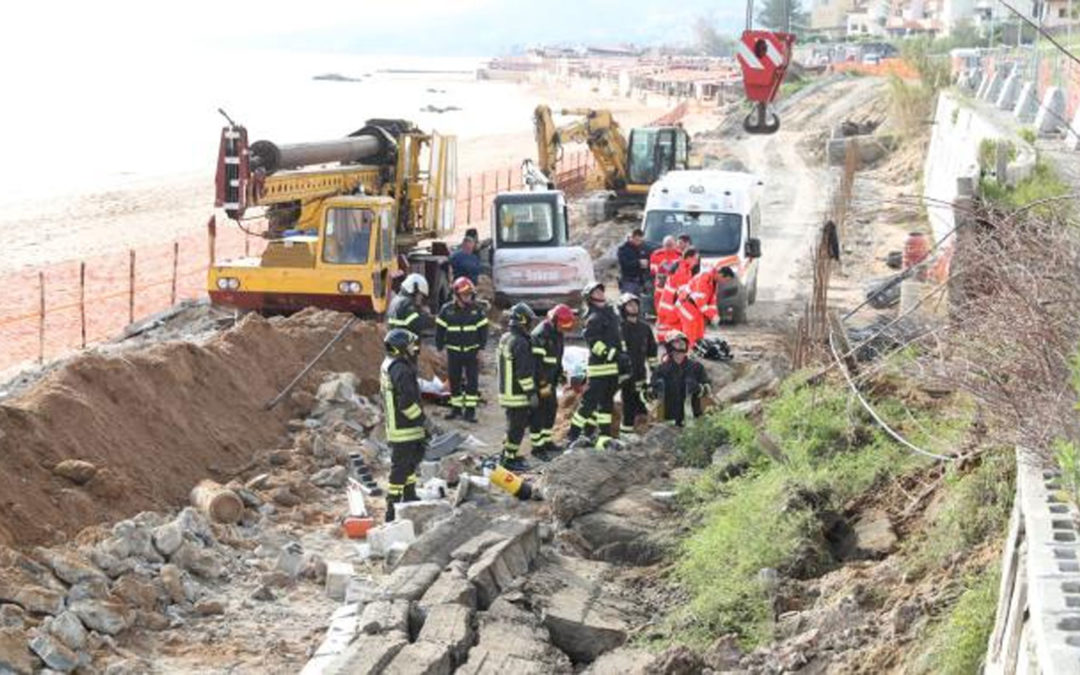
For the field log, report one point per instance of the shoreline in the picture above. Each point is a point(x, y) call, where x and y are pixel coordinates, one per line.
point(142, 211)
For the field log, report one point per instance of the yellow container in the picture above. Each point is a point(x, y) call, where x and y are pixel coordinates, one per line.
point(506, 480)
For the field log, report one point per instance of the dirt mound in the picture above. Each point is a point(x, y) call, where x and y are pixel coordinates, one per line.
point(156, 419)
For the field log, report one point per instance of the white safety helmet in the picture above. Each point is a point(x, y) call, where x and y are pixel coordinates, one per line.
point(414, 283)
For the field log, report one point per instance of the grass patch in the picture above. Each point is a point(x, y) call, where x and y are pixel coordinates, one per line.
point(957, 645)
point(767, 516)
point(911, 105)
point(1028, 134)
point(975, 509)
point(1041, 185)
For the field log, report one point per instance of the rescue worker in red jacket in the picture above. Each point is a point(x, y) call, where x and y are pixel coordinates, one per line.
point(667, 314)
point(660, 263)
point(547, 349)
point(697, 304)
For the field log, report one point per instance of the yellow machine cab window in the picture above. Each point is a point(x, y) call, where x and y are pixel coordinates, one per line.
point(347, 237)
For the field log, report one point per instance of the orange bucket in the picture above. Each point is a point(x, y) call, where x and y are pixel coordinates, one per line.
point(356, 527)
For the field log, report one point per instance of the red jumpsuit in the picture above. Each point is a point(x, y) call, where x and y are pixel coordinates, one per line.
point(666, 313)
point(697, 305)
point(660, 263)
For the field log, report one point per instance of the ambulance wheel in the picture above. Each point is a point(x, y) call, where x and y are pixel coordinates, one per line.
point(738, 309)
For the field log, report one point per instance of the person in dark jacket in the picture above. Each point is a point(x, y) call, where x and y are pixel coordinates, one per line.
point(408, 309)
point(462, 330)
point(633, 263)
point(464, 262)
point(517, 383)
point(677, 378)
point(406, 426)
point(606, 350)
point(642, 352)
point(547, 348)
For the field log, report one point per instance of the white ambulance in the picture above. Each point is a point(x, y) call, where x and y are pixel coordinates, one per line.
point(721, 211)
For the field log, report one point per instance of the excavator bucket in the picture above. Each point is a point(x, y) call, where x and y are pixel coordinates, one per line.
point(764, 57)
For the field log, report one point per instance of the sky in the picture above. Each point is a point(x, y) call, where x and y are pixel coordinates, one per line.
point(57, 30)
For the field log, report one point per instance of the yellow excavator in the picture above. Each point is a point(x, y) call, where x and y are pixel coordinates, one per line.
point(344, 217)
point(625, 167)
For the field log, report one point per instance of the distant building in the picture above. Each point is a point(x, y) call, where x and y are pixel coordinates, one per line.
point(829, 18)
point(869, 19)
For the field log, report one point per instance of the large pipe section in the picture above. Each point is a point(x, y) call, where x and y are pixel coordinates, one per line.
point(271, 157)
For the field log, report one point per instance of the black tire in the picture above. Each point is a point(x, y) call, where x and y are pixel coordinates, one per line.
point(440, 291)
point(738, 308)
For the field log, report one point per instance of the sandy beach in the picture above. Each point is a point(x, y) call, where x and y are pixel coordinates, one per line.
point(140, 212)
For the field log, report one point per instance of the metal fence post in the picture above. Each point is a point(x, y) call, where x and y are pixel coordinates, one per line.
point(82, 302)
point(41, 317)
point(131, 288)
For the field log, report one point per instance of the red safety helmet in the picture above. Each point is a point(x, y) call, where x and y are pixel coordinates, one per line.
point(463, 286)
point(562, 316)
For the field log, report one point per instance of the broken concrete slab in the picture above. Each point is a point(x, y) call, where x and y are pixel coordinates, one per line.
point(622, 661)
point(383, 538)
point(421, 658)
point(71, 568)
point(54, 653)
point(1072, 138)
point(36, 600)
point(1051, 113)
point(579, 482)
point(868, 149)
point(410, 582)
point(384, 616)
point(512, 640)
point(367, 655)
point(103, 616)
point(616, 539)
point(338, 574)
point(450, 588)
point(423, 514)
point(994, 88)
point(451, 626)
point(500, 564)
point(763, 377)
point(436, 544)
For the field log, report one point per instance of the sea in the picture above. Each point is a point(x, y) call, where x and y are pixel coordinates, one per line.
point(96, 121)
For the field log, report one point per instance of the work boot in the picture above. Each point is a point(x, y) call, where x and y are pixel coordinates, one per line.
point(390, 501)
point(470, 415)
point(580, 443)
point(453, 414)
point(515, 464)
point(410, 493)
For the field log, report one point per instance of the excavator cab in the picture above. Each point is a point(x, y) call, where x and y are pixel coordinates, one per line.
point(653, 152)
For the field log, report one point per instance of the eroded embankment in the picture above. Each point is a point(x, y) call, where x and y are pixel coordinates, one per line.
point(154, 421)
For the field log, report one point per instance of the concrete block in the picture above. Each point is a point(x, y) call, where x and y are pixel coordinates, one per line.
point(1027, 103)
point(422, 658)
point(500, 564)
point(54, 653)
point(1072, 138)
point(449, 589)
point(424, 513)
point(452, 626)
point(994, 87)
point(984, 83)
point(339, 635)
point(1010, 92)
point(368, 655)
point(1051, 113)
point(410, 582)
point(338, 574)
point(384, 616)
point(513, 641)
point(381, 538)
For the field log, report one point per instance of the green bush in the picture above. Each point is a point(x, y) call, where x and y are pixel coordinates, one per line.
point(1028, 134)
point(1042, 184)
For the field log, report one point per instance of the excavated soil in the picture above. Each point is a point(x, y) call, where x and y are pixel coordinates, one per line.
point(155, 420)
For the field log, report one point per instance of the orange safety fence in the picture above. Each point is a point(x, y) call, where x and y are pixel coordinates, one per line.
point(52, 310)
point(885, 67)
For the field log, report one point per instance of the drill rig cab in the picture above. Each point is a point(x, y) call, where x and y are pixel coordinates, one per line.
point(345, 218)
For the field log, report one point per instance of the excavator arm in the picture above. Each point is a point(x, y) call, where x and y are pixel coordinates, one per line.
point(596, 129)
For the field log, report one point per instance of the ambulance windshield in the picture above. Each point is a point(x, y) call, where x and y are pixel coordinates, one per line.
point(712, 233)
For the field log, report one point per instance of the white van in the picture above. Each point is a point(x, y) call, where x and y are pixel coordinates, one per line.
point(721, 211)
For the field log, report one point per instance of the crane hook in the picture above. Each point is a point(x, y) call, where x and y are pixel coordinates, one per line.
point(758, 122)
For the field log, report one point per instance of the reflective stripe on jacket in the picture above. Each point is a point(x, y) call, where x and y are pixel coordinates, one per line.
point(516, 368)
point(401, 396)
